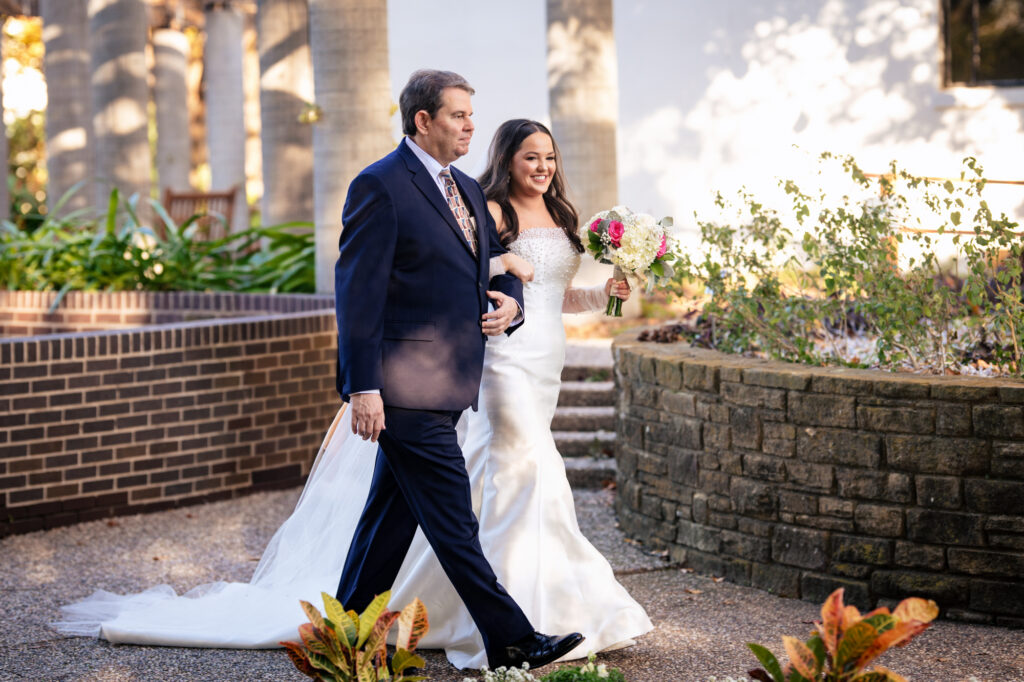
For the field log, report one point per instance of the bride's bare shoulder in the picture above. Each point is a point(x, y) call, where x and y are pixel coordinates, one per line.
point(495, 210)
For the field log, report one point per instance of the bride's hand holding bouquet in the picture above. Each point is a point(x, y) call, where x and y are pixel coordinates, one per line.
point(636, 244)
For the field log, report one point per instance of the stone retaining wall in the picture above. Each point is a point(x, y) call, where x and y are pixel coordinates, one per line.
point(101, 423)
point(799, 480)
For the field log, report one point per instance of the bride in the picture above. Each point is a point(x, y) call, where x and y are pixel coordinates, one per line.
point(527, 520)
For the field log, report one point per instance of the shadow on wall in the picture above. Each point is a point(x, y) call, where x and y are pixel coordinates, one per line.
point(850, 77)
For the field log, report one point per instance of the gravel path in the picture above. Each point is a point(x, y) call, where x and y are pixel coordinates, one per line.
point(701, 624)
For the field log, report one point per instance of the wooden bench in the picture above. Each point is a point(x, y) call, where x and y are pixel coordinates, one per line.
point(210, 206)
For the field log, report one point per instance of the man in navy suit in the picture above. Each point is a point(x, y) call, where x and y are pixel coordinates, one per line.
point(414, 304)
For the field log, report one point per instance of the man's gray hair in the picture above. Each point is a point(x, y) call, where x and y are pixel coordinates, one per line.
point(423, 93)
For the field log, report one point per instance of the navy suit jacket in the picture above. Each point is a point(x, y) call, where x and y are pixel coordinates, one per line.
point(409, 293)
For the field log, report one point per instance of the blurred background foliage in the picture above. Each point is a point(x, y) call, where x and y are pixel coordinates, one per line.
point(26, 170)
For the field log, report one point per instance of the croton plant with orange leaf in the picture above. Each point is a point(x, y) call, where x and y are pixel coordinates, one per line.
point(346, 647)
point(844, 643)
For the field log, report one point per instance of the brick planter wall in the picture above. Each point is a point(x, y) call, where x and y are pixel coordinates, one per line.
point(100, 423)
point(799, 480)
point(26, 313)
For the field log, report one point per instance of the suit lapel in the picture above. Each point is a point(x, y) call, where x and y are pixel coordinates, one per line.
point(421, 178)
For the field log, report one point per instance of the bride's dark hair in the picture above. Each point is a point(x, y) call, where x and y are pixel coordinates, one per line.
point(496, 180)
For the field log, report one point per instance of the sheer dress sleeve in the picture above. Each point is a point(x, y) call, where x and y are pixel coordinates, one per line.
point(497, 266)
point(584, 299)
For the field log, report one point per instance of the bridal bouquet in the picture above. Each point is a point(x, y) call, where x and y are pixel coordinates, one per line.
point(636, 244)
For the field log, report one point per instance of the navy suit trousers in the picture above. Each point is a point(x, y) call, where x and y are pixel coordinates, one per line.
point(420, 479)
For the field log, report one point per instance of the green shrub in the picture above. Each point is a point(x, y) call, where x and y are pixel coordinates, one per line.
point(119, 252)
point(779, 280)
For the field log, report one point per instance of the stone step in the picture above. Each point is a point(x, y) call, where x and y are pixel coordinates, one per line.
point(587, 373)
point(601, 418)
point(585, 443)
point(584, 422)
point(586, 472)
point(587, 394)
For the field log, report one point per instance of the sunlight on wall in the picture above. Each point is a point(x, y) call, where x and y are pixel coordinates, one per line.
point(760, 92)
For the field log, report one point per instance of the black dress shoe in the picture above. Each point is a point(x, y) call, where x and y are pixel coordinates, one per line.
point(538, 650)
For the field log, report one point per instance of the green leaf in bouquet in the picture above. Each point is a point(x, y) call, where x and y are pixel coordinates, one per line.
point(658, 269)
point(666, 221)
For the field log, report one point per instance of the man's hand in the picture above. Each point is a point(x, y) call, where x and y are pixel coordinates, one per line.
point(498, 320)
point(367, 416)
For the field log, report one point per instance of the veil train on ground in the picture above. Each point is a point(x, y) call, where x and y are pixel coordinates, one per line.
point(303, 558)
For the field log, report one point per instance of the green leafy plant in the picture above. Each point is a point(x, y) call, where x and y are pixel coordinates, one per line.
point(345, 647)
point(844, 643)
point(791, 282)
point(118, 251)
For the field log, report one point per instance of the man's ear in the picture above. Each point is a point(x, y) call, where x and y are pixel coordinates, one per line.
point(422, 120)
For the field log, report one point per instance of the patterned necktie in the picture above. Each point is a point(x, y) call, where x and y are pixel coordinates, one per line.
point(462, 217)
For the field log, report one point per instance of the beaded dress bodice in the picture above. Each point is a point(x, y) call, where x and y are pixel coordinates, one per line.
point(554, 261)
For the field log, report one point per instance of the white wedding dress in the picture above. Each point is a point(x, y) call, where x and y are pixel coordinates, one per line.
point(528, 526)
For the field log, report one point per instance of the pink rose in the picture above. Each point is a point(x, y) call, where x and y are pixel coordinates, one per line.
point(615, 232)
point(595, 225)
point(663, 248)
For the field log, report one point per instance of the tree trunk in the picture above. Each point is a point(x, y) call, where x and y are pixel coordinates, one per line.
point(5, 195)
point(198, 153)
point(171, 48)
point(120, 95)
point(225, 106)
point(349, 42)
point(584, 105)
point(69, 153)
point(286, 85)
point(251, 103)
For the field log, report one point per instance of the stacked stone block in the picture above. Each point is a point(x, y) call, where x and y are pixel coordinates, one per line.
point(799, 480)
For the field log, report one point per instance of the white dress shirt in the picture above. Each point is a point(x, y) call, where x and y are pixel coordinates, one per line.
point(432, 165)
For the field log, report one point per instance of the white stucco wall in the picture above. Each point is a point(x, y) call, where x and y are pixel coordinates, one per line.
point(713, 95)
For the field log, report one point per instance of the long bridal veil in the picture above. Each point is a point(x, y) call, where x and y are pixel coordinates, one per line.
point(304, 558)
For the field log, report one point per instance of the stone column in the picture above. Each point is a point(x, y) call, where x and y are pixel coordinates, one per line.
point(170, 53)
point(286, 86)
point(120, 98)
point(225, 105)
point(69, 152)
point(584, 105)
point(349, 43)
